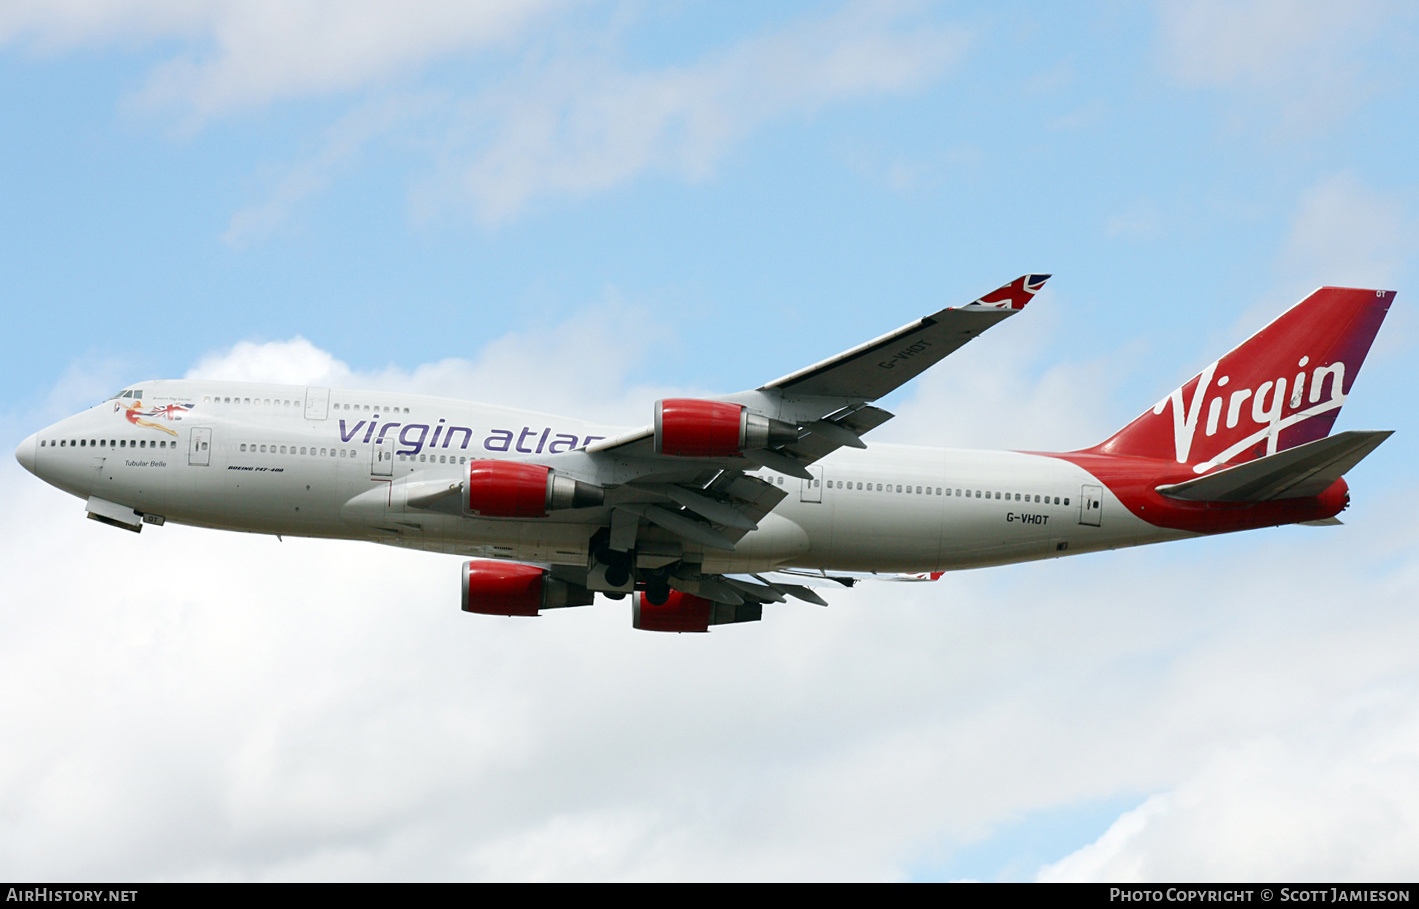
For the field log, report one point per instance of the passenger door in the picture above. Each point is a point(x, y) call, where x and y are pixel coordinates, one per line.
point(199, 446)
point(382, 458)
point(812, 490)
point(1091, 506)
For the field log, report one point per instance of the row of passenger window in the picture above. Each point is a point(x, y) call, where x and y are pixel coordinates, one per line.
point(258, 448)
point(435, 459)
point(293, 402)
point(938, 491)
point(105, 443)
point(261, 402)
point(368, 407)
point(1038, 500)
point(888, 487)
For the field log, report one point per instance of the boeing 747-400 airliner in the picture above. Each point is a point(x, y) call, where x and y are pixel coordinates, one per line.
point(721, 505)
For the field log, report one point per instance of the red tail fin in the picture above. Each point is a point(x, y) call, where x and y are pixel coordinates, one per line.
point(1282, 387)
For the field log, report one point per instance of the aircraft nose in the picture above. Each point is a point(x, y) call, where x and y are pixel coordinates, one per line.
point(27, 451)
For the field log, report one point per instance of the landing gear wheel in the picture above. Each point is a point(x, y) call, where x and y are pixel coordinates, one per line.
point(614, 594)
point(618, 575)
point(657, 594)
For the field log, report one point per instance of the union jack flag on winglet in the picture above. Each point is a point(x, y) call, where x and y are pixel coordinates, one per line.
point(1015, 294)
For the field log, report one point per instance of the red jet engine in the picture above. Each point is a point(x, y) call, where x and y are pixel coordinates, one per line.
point(511, 489)
point(506, 588)
point(687, 612)
point(690, 428)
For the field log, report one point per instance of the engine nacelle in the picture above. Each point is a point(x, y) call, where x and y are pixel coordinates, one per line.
point(506, 588)
point(691, 428)
point(511, 489)
point(688, 613)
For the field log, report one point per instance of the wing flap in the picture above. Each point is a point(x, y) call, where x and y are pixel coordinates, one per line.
point(833, 432)
point(682, 526)
point(704, 506)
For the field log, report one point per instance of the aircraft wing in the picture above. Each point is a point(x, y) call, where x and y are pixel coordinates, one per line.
point(828, 401)
point(871, 370)
point(688, 483)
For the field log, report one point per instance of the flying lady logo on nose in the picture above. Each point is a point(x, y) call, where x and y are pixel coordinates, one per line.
point(134, 413)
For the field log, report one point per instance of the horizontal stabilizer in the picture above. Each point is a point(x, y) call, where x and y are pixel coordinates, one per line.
point(1296, 473)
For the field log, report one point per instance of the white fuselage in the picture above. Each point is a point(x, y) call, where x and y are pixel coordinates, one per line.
point(321, 462)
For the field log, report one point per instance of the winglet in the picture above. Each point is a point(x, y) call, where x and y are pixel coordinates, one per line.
point(1013, 295)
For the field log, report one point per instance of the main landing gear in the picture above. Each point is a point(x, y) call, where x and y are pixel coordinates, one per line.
point(621, 567)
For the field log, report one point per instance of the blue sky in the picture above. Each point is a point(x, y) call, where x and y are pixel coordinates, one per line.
point(579, 206)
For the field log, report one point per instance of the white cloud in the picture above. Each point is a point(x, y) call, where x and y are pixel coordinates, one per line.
point(246, 54)
point(1335, 798)
point(339, 153)
point(1105, 858)
point(581, 125)
point(910, 175)
point(576, 366)
point(1342, 233)
point(1345, 233)
point(72, 23)
point(1310, 56)
point(1014, 389)
point(293, 362)
point(1270, 41)
point(564, 121)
